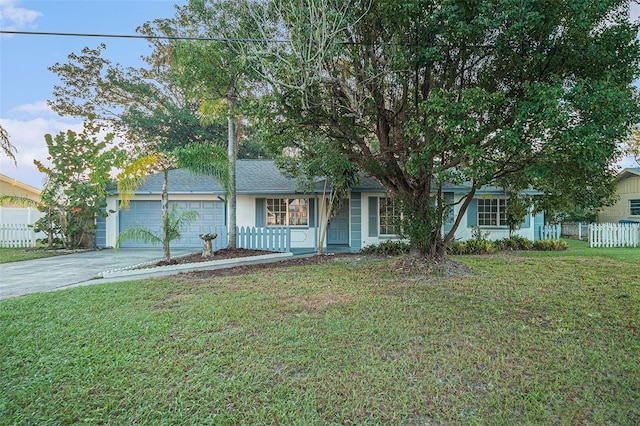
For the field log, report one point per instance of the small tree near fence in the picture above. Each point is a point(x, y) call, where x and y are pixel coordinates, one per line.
point(76, 185)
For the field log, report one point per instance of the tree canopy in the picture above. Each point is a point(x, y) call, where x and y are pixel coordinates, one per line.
point(516, 94)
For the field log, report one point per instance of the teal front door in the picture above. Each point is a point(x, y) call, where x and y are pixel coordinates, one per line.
point(338, 229)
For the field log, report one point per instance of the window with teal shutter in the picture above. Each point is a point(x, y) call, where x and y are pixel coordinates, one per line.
point(472, 213)
point(261, 215)
point(373, 216)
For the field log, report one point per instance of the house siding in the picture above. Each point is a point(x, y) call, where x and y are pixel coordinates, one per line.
point(251, 211)
point(627, 189)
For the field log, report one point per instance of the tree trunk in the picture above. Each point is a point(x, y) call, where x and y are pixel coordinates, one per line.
point(232, 179)
point(165, 216)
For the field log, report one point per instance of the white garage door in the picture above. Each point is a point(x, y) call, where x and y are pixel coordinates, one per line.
point(148, 214)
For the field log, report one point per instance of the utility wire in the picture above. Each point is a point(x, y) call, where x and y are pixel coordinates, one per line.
point(218, 39)
point(249, 40)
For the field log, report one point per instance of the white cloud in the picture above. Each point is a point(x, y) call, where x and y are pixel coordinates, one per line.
point(28, 138)
point(16, 18)
point(34, 108)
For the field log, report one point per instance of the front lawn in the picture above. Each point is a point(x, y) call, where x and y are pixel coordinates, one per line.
point(524, 339)
point(18, 254)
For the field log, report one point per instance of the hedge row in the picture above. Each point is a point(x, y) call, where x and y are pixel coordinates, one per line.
point(472, 246)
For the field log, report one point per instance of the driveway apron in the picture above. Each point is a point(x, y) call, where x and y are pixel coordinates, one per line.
point(52, 273)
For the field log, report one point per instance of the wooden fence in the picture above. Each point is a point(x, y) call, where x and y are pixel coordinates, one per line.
point(575, 230)
point(549, 232)
point(273, 239)
point(614, 235)
point(17, 236)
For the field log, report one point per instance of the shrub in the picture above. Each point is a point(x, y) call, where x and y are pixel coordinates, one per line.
point(549, 245)
point(479, 246)
point(457, 247)
point(470, 247)
point(514, 242)
point(388, 247)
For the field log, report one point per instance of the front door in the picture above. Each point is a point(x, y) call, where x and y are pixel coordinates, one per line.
point(338, 229)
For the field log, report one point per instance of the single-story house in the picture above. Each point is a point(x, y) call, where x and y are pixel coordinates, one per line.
point(627, 208)
point(267, 199)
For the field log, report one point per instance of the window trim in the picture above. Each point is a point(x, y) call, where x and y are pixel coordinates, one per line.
point(634, 207)
point(398, 215)
point(288, 213)
point(500, 214)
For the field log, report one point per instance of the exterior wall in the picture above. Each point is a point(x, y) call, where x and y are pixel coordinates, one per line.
point(627, 189)
point(10, 186)
point(247, 212)
point(464, 231)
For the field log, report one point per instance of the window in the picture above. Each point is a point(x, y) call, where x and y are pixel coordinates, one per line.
point(492, 212)
point(287, 212)
point(389, 215)
point(634, 207)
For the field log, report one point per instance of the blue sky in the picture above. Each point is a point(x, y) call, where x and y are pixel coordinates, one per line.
point(26, 83)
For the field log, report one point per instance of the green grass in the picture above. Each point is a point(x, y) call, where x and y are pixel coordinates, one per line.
point(18, 254)
point(524, 339)
point(579, 248)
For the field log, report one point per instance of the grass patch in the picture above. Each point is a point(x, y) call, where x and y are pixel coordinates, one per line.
point(578, 248)
point(18, 254)
point(525, 339)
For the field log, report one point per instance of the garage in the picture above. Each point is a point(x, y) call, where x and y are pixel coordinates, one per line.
point(148, 214)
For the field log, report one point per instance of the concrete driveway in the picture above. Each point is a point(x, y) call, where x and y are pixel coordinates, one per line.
point(53, 273)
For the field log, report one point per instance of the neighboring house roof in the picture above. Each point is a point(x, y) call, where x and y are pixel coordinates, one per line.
point(628, 172)
point(262, 177)
point(12, 186)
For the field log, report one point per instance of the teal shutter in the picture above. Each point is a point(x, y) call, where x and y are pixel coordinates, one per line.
point(527, 220)
point(373, 216)
point(261, 215)
point(312, 212)
point(472, 213)
point(450, 219)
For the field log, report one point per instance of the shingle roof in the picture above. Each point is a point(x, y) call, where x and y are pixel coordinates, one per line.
point(181, 181)
point(263, 177)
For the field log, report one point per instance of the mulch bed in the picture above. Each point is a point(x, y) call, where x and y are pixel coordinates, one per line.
point(221, 254)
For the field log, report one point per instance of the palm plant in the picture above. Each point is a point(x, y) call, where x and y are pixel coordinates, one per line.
point(172, 226)
point(205, 159)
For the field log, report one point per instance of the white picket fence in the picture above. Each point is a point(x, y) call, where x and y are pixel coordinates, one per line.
point(272, 239)
point(614, 235)
point(17, 236)
point(549, 232)
point(14, 227)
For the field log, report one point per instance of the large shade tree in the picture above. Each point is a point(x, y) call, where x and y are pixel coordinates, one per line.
point(518, 94)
